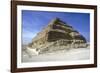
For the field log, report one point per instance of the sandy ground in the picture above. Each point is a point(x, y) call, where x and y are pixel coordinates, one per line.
point(62, 55)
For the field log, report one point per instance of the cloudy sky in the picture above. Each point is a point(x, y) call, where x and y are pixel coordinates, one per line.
point(34, 21)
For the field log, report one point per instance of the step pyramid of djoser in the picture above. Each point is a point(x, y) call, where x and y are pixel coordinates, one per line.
point(57, 30)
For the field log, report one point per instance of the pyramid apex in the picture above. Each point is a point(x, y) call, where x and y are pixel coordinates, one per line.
point(54, 20)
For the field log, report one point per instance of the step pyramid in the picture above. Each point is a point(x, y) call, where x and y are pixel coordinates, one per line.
point(57, 30)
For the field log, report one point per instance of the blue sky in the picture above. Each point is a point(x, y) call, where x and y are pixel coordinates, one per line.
point(34, 21)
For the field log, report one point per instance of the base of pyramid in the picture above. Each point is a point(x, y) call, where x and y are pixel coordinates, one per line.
point(56, 46)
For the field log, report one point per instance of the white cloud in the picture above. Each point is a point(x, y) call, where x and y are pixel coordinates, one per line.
point(27, 36)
